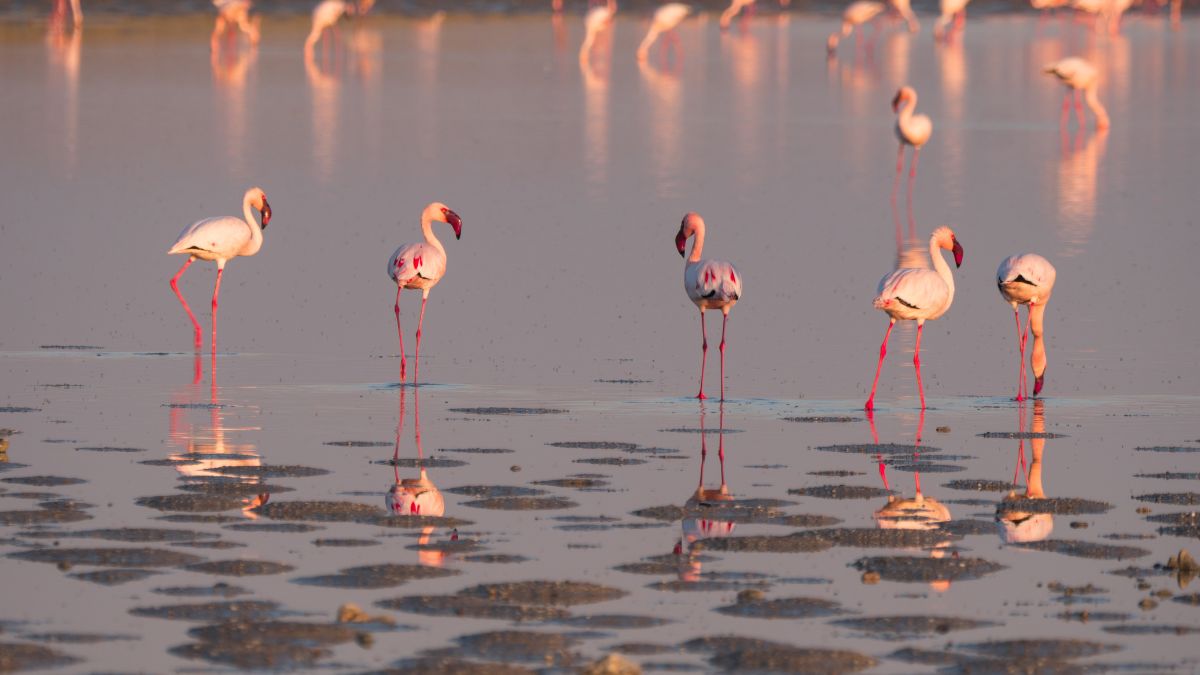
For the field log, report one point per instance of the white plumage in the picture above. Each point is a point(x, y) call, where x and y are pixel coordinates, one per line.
point(710, 284)
point(1028, 279)
point(856, 14)
point(955, 10)
point(1079, 77)
point(666, 18)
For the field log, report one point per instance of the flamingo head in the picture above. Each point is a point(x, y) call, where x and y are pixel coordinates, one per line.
point(944, 237)
point(265, 211)
point(258, 199)
point(1038, 381)
point(439, 211)
point(691, 222)
point(906, 92)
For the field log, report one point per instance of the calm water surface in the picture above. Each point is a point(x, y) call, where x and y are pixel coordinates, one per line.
point(564, 293)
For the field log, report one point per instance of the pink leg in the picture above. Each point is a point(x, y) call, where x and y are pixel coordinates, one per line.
point(917, 363)
point(900, 161)
point(417, 355)
point(870, 405)
point(216, 293)
point(400, 334)
point(1079, 108)
point(175, 287)
point(724, 320)
point(1066, 109)
point(1021, 371)
point(912, 171)
point(703, 354)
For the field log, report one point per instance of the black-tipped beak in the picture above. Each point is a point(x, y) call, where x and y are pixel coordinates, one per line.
point(958, 253)
point(680, 240)
point(896, 102)
point(266, 213)
point(455, 222)
point(1038, 382)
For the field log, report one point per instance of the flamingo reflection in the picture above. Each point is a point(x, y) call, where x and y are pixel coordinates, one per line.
point(1077, 179)
point(202, 448)
point(231, 67)
point(414, 497)
point(697, 528)
point(594, 71)
point(66, 48)
point(233, 14)
point(1017, 526)
point(58, 13)
point(664, 92)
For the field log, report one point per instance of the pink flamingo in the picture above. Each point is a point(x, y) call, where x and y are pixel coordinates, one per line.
point(421, 266)
point(666, 18)
point(1081, 78)
point(917, 294)
point(856, 14)
point(1028, 279)
point(911, 129)
point(711, 284)
point(596, 21)
point(235, 13)
point(328, 12)
point(955, 10)
point(221, 239)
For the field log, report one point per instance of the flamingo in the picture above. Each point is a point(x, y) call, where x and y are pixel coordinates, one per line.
point(1028, 279)
point(666, 18)
point(597, 19)
point(235, 12)
point(421, 266)
point(711, 284)
point(328, 12)
point(221, 239)
point(951, 9)
point(735, 7)
point(59, 10)
point(911, 129)
point(904, 9)
point(1081, 77)
point(917, 294)
point(856, 14)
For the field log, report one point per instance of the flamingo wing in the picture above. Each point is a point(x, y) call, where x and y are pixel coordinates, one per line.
point(921, 291)
point(713, 280)
point(411, 261)
point(219, 237)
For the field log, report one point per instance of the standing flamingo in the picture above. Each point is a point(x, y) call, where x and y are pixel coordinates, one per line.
point(856, 14)
point(711, 284)
point(596, 20)
point(666, 18)
point(955, 10)
point(911, 129)
point(421, 266)
point(328, 12)
point(1028, 279)
point(220, 239)
point(1079, 77)
point(917, 294)
point(904, 9)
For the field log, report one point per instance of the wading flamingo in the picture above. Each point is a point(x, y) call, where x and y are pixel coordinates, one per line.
point(856, 14)
point(596, 20)
point(735, 7)
point(917, 294)
point(1080, 78)
point(220, 239)
point(421, 266)
point(911, 129)
point(711, 284)
point(904, 9)
point(955, 10)
point(235, 13)
point(1028, 279)
point(328, 12)
point(666, 18)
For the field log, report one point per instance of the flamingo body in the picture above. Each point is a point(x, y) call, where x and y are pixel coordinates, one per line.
point(666, 18)
point(710, 284)
point(1028, 279)
point(856, 14)
point(1081, 77)
point(596, 20)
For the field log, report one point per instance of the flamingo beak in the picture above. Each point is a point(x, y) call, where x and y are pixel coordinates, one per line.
point(896, 101)
point(455, 222)
point(680, 240)
point(958, 253)
point(266, 212)
point(1038, 382)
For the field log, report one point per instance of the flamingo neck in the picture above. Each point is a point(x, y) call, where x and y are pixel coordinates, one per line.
point(256, 233)
point(940, 265)
point(906, 111)
point(427, 230)
point(1093, 102)
point(644, 48)
point(697, 245)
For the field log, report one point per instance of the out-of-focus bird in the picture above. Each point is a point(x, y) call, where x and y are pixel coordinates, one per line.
point(955, 10)
point(235, 13)
point(1080, 78)
point(666, 18)
point(597, 19)
point(710, 284)
point(911, 129)
point(328, 12)
point(856, 14)
point(1028, 279)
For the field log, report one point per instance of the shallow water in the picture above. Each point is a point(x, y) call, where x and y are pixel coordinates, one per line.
point(561, 334)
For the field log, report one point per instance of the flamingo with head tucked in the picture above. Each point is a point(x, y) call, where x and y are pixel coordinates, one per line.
point(221, 239)
point(666, 18)
point(1080, 78)
point(917, 294)
point(856, 14)
point(711, 284)
point(1028, 279)
point(421, 266)
point(911, 129)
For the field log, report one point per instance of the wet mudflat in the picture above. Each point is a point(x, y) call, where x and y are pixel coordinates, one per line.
point(563, 500)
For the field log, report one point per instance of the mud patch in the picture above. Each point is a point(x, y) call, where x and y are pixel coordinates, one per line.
point(963, 528)
point(376, 576)
point(271, 471)
point(206, 518)
point(1037, 650)
point(927, 467)
point(782, 608)
point(979, 485)
point(264, 644)
point(75, 638)
point(108, 557)
point(345, 543)
point(231, 488)
point(16, 656)
point(611, 461)
point(1169, 475)
point(43, 481)
point(836, 473)
point(141, 534)
point(478, 451)
point(642, 648)
point(240, 568)
point(841, 492)
point(911, 626)
point(319, 512)
point(496, 558)
point(910, 569)
point(544, 649)
point(168, 462)
point(1056, 505)
point(1173, 498)
point(217, 590)
point(108, 448)
point(508, 411)
point(278, 528)
point(212, 544)
point(698, 430)
point(1169, 448)
point(449, 546)
point(823, 419)
point(1020, 434)
point(229, 610)
point(42, 517)
point(594, 445)
point(415, 522)
point(472, 607)
point(1085, 549)
point(748, 654)
point(613, 621)
point(191, 503)
point(114, 577)
point(705, 585)
point(489, 491)
point(576, 483)
point(877, 448)
point(522, 503)
point(544, 592)
point(18, 409)
point(1151, 629)
point(800, 542)
point(360, 444)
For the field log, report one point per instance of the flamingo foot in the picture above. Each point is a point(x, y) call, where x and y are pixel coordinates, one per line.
point(701, 396)
point(870, 404)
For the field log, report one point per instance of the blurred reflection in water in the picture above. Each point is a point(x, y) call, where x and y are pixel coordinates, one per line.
point(744, 53)
point(230, 67)
point(919, 512)
point(594, 68)
point(231, 15)
point(895, 58)
point(1018, 527)
point(664, 91)
point(695, 528)
point(323, 85)
point(65, 47)
point(203, 447)
point(949, 131)
point(416, 497)
point(1077, 178)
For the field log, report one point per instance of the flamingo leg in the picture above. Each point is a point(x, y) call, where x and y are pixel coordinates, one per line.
point(1025, 339)
point(175, 287)
point(400, 334)
point(912, 170)
point(703, 354)
point(1066, 109)
point(417, 355)
point(216, 294)
point(1021, 370)
point(917, 363)
point(1079, 108)
point(870, 405)
point(724, 321)
point(900, 161)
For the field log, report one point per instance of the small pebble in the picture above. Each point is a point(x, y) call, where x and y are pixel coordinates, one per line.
point(870, 577)
point(1143, 510)
point(1142, 586)
point(514, 468)
point(750, 595)
point(1078, 525)
point(943, 430)
point(1148, 604)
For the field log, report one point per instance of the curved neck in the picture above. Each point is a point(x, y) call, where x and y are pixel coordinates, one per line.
point(1094, 103)
point(651, 35)
point(256, 233)
point(940, 265)
point(427, 229)
point(1037, 317)
point(697, 244)
point(906, 109)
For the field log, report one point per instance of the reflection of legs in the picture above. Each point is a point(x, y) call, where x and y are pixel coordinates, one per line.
point(870, 405)
point(417, 355)
point(175, 287)
point(216, 293)
point(724, 320)
point(1066, 109)
point(400, 334)
point(1079, 108)
point(1021, 370)
point(703, 354)
point(917, 363)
